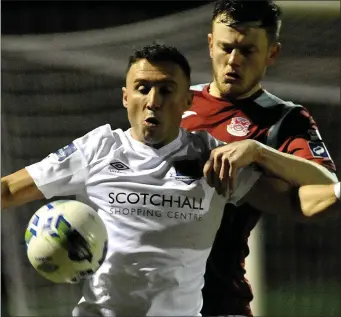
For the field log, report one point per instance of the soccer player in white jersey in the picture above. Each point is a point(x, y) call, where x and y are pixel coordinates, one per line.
point(159, 189)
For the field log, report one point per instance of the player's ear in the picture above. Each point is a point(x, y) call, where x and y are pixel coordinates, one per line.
point(124, 97)
point(273, 53)
point(189, 99)
point(210, 43)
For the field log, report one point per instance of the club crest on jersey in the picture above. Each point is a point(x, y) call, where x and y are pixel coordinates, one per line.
point(65, 152)
point(188, 171)
point(238, 126)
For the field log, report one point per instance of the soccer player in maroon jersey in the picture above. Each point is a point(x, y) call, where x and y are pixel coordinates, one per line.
point(242, 44)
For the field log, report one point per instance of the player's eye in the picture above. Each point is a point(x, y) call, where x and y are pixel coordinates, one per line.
point(143, 89)
point(166, 90)
point(227, 50)
point(246, 51)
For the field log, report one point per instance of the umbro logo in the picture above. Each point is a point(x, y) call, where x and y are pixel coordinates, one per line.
point(117, 167)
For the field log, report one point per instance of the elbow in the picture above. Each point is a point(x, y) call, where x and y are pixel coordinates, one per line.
point(308, 212)
point(302, 213)
point(319, 212)
point(306, 207)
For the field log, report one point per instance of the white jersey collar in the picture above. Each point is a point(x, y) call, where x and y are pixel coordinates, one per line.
point(140, 147)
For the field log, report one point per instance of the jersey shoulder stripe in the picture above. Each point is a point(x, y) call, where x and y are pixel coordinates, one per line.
point(267, 99)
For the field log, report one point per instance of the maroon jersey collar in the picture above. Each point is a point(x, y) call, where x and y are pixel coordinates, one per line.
point(228, 103)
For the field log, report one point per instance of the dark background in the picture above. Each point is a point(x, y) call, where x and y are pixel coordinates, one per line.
point(302, 261)
point(30, 17)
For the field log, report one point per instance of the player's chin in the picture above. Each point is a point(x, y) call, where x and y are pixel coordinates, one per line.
point(232, 90)
point(152, 131)
point(153, 137)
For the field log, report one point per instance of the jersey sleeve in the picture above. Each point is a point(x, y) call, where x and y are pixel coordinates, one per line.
point(246, 178)
point(65, 172)
point(304, 140)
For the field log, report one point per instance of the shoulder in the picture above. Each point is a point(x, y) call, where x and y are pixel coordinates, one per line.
point(268, 100)
point(99, 141)
point(101, 131)
point(295, 113)
point(203, 139)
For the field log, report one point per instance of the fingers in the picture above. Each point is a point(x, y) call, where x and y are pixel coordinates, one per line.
point(207, 171)
point(221, 169)
point(232, 178)
point(216, 171)
point(224, 174)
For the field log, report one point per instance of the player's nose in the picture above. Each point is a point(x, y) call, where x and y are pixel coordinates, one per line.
point(235, 57)
point(154, 99)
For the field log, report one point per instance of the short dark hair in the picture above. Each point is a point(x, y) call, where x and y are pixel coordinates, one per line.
point(157, 52)
point(263, 14)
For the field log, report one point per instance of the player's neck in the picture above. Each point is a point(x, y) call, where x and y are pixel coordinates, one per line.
point(157, 145)
point(215, 92)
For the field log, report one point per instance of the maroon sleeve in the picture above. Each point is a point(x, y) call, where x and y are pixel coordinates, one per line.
point(306, 141)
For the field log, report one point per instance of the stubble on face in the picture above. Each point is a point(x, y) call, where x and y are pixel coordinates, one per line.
point(156, 91)
point(251, 67)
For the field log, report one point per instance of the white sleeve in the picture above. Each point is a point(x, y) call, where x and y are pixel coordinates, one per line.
point(65, 172)
point(246, 178)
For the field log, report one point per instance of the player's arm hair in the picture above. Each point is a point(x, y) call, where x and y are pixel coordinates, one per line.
point(273, 195)
point(18, 189)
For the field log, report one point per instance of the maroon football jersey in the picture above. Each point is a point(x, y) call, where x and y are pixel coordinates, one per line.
point(226, 291)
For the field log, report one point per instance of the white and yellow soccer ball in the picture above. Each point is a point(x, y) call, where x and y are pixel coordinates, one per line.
point(66, 241)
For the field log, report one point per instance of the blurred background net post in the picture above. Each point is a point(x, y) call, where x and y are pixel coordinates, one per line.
point(63, 66)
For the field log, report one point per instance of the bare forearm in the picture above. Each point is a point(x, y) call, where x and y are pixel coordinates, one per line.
point(315, 199)
point(293, 169)
point(273, 195)
point(18, 189)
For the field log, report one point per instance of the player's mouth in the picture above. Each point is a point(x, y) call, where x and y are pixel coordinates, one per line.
point(152, 122)
point(232, 77)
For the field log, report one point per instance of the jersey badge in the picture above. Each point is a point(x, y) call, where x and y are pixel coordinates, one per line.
point(188, 171)
point(238, 126)
point(318, 149)
point(65, 152)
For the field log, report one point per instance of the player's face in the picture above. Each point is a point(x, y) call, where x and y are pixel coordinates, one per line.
point(156, 95)
point(240, 57)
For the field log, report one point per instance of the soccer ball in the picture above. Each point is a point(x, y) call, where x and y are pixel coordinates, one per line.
point(66, 241)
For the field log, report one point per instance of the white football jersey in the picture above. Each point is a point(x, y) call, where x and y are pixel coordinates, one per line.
point(160, 214)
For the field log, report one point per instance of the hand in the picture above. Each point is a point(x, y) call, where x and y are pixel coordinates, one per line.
point(222, 166)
